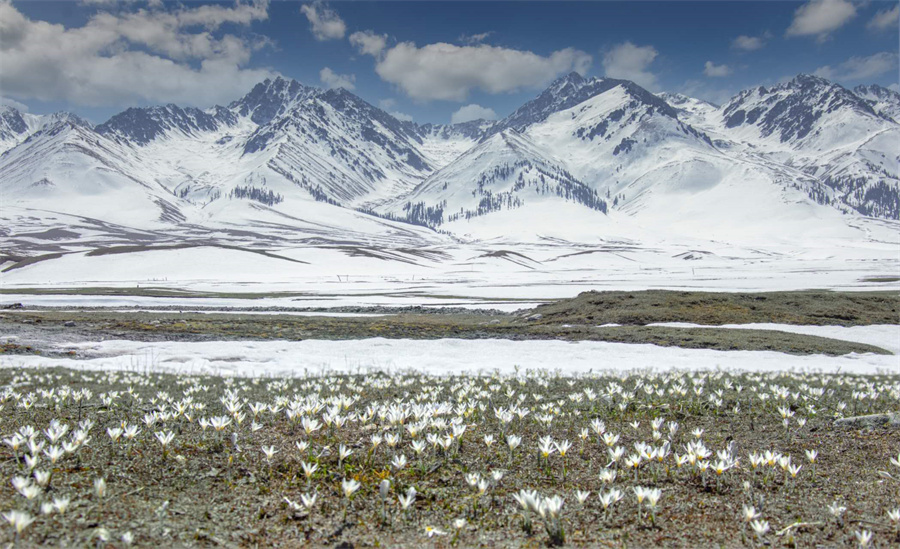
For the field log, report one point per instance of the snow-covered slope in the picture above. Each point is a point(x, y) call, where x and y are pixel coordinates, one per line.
point(342, 149)
point(69, 168)
point(691, 110)
point(16, 126)
point(570, 90)
point(505, 172)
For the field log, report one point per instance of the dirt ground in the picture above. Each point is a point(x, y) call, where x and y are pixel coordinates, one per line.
point(810, 307)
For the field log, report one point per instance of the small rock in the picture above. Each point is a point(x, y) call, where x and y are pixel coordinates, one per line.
point(534, 317)
point(69, 323)
point(891, 420)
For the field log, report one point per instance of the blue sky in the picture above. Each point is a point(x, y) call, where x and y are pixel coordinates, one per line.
point(431, 61)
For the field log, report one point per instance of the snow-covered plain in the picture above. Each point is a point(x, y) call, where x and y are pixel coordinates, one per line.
point(485, 275)
point(441, 357)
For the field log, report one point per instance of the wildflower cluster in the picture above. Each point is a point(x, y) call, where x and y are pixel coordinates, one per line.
point(399, 458)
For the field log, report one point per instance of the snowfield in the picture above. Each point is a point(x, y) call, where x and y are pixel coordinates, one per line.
point(494, 274)
point(453, 356)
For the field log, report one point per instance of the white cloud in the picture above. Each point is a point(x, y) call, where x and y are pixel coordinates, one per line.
point(630, 62)
point(369, 43)
point(335, 80)
point(861, 68)
point(324, 22)
point(449, 72)
point(820, 17)
point(389, 105)
point(151, 3)
point(401, 116)
point(21, 107)
point(472, 112)
point(885, 19)
point(712, 70)
point(748, 43)
point(474, 38)
point(895, 87)
point(154, 56)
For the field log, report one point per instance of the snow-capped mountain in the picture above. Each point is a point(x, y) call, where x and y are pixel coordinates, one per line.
point(16, 126)
point(882, 100)
point(505, 172)
point(271, 98)
point(570, 90)
point(293, 163)
point(67, 167)
point(342, 149)
point(143, 125)
point(826, 131)
point(691, 110)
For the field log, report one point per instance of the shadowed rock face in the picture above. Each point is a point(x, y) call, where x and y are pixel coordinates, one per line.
point(272, 98)
point(143, 125)
point(12, 123)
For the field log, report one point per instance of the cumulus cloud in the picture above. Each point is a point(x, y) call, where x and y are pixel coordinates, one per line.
point(369, 43)
point(472, 112)
point(861, 68)
point(712, 70)
point(821, 17)
point(335, 80)
point(474, 38)
point(748, 43)
point(324, 22)
point(149, 55)
point(885, 19)
point(630, 62)
point(449, 72)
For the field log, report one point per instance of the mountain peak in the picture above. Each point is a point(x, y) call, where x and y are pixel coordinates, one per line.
point(573, 78)
point(875, 91)
point(570, 90)
point(143, 125)
point(271, 98)
point(793, 109)
point(805, 79)
point(884, 101)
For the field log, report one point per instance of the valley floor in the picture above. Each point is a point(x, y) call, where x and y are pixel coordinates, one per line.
point(809, 330)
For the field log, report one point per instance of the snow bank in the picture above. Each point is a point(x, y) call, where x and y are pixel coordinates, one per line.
point(437, 357)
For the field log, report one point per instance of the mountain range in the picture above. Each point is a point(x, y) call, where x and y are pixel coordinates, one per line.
point(586, 158)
